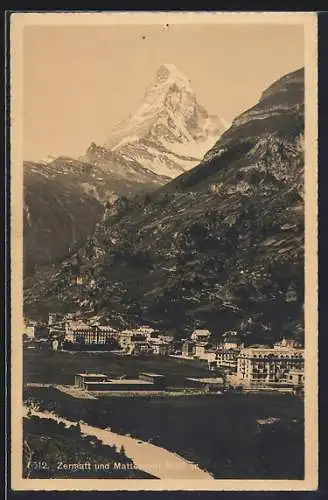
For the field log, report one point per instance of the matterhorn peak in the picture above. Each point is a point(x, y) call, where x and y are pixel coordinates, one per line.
point(170, 131)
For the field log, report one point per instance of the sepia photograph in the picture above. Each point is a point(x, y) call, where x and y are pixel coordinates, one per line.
point(164, 251)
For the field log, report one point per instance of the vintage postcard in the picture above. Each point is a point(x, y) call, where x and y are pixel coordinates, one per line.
point(164, 251)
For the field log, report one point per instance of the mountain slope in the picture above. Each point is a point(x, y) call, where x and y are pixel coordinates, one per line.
point(64, 198)
point(276, 120)
point(221, 245)
point(168, 134)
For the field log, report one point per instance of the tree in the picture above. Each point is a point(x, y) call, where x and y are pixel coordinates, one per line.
point(122, 450)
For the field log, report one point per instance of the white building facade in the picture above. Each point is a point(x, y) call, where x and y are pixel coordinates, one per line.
point(268, 366)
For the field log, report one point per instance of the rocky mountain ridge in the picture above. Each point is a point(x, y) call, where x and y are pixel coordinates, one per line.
point(220, 246)
point(63, 200)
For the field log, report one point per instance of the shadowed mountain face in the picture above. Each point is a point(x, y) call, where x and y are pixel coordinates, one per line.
point(64, 198)
point(221, 245)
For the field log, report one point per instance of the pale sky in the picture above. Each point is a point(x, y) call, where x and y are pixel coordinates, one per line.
point(80, 81)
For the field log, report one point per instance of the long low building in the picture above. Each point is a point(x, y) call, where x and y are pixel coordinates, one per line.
point(101, 382)
point(119, 385)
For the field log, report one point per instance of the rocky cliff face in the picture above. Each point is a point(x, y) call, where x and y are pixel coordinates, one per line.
point(168, 134)
point(220, 246)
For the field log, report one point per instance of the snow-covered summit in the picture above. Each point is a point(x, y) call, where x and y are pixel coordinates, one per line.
point(170, 131)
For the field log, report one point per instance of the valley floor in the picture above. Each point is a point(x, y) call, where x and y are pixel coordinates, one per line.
point(220, 435)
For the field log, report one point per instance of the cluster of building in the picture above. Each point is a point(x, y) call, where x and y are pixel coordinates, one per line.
point(141, 340)
point(223, 354)
point(252, 366)
point(71, 331)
